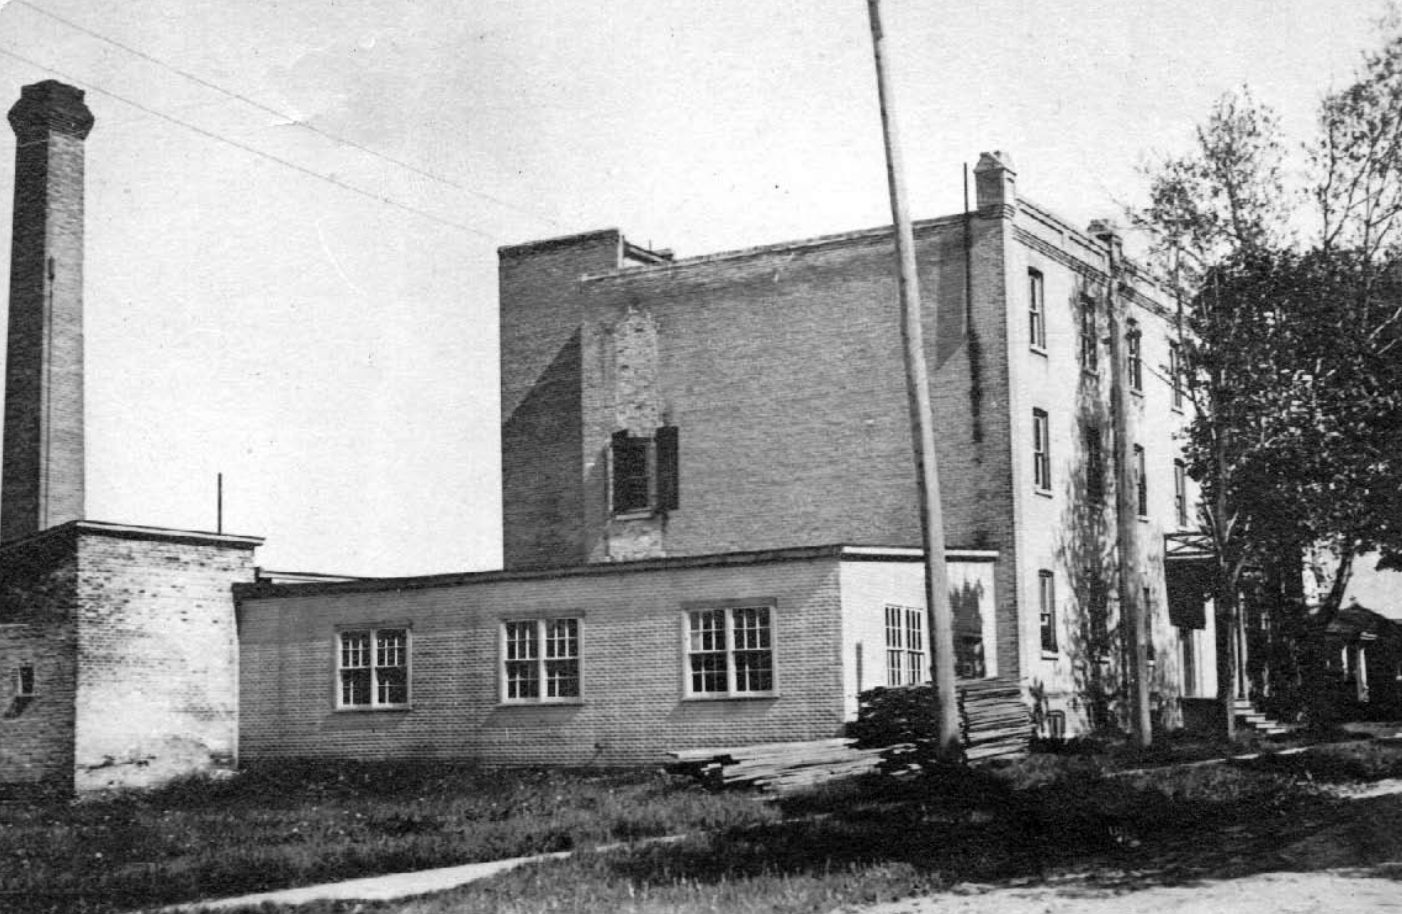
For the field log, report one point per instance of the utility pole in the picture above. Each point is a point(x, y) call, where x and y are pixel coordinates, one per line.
point(1132, 609)
point(922, 434)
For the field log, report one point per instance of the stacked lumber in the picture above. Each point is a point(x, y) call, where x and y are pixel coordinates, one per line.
point(778, 766)
point(993, 720)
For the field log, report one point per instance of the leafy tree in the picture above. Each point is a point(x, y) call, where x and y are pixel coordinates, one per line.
point(1291, 345)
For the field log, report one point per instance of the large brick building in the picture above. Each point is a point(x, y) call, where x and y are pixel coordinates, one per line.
point(710, 525)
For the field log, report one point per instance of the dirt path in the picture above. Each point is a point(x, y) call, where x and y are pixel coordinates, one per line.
point(1333, 892)
point(1349, 862)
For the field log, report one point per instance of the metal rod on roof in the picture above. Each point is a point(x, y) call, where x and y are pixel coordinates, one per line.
point(219, 503)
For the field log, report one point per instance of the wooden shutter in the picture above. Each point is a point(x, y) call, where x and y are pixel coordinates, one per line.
point(668, 476)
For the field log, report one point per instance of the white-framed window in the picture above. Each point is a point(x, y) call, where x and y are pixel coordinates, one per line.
point(1036, 310)
point(1046, 603)
point(1134, 343)
point(905, 646)
point(1180, 493)
point(372, 668)
point(730, 651)
point(540, 660)
point(1041, 450)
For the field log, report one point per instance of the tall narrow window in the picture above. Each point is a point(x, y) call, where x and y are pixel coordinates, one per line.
point(905, 645)
point(24, 681)
point(632, 473)
point(1036, 310)
point(1190, 662)
point(373, 668)
point(1180, 493)
point(1141, 482)
point(1134, 341)
point(1041, 450)
point(1175, 373)
point(1095, 465)
point(1090, 349)
point(1046, 602)
point(540, 660)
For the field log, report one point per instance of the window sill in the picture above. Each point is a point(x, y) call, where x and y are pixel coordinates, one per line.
point(641, 514)
point(1045, 493)
point(1143, 518)
point(1137, 392)
point(552, 703)
point(376, 709)
point(1039, 350)
point(1050, 655)
point(1177, 409)
point(743, 696)
point(1091, 373)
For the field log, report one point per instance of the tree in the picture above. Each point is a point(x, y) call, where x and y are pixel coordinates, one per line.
point(1220, 205)
point(1291, 346)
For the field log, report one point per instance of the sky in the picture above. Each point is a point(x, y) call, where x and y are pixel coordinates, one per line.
point(294, 206)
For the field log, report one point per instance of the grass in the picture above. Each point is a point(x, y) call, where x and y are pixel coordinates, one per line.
point(303, 824)
point(875, 839)
point(849, 843)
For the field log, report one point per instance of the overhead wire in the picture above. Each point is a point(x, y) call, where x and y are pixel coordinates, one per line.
point(286, 116)
point(378, 198)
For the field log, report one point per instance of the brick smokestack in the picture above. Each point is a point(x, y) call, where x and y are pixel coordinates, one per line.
point(43, 468)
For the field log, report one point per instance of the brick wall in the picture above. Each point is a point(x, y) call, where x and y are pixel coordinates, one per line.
point(38, 585)
point(158, 655)
point(540, 395)
point(43, 468)
point(633, 706)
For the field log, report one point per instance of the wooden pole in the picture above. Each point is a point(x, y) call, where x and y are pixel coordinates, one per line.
point(937, 604)
point(219, 503)
point(1132, 609)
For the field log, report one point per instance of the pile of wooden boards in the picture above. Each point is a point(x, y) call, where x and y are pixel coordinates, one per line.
point(778, 766)
point(993, 720)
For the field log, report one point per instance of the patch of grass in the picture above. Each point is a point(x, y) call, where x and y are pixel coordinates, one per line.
point(876, 839)
point(1358, 760)
point(297, 824)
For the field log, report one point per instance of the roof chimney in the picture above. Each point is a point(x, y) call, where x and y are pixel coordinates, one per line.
point(43, 447)
point(995, 182)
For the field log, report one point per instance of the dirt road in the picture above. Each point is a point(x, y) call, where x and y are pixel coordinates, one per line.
point(1347, 863)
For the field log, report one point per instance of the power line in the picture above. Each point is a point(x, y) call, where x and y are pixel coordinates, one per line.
point(283, 115)
point(378, 198)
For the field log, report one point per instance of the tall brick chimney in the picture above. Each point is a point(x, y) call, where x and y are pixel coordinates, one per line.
point(43, 469)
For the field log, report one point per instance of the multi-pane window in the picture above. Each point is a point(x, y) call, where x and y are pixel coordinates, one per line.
point(1180, 493)
point(1141, 482)
point(1036, 310)
point(1046, 603)
point(1090, 350)
point(905, 645)
point(372, 668)
point(730, 651)
point(1041, 450)
point(1095, 465)
point(540, 660)
point(1175, 373)
point(1134, 341)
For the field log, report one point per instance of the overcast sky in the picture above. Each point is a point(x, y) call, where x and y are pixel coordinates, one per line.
point(335, 355)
